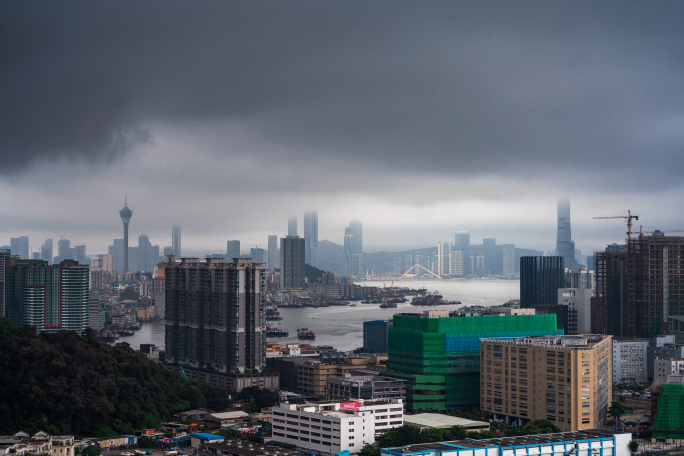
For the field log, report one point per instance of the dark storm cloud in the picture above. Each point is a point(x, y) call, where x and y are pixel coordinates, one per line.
point(479, 87)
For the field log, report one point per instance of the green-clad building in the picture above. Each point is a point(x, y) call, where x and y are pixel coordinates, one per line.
point(440, 357)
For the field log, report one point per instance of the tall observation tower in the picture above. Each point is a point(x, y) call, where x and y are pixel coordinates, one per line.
point(125, 214)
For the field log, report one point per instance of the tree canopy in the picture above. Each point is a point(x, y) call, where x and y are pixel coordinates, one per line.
point(64, 383)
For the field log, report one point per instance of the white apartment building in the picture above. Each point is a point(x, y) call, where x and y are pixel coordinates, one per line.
point(630, 361)
point(663, 368)
point(330, 427)
point(456, 263)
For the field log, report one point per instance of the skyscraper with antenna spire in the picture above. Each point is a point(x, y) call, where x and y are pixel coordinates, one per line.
point(126, 215)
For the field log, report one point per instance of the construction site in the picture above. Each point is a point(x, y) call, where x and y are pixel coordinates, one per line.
point(439, 354)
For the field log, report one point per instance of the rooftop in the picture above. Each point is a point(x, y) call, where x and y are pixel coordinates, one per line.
point(436, 420)
point(246, 449)
point(505, 442)
point(555, 341)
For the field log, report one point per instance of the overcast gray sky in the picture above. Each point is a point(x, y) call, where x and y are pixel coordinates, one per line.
point(418, 118)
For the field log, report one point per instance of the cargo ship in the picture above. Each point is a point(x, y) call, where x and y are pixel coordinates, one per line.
point(305, 334)
point(432, 299)
point(273, 314)
point(273, 331)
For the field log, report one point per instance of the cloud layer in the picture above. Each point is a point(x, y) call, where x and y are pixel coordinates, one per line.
point(430, 113)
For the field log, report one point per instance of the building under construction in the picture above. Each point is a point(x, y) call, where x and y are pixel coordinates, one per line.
point(438, 354)
point(639, 287)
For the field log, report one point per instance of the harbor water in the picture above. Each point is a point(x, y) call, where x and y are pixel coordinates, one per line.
point(342, 326)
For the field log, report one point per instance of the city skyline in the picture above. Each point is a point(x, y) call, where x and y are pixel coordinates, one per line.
point(342, 123)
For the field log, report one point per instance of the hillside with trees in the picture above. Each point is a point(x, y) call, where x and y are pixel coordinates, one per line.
point(64, 383)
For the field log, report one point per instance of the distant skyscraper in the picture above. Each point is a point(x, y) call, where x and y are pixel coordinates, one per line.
point(116, 250)
point(311, 237)
point(397, 266)
point(273, 262)
point(134, 259)
point(176, 240)
point(50, 298)
point(489, 247)
point(64, 249)
point(456, 263)
point(565, 246)
point(168, 250)
point(46, 251)
point(80, 254)
point(357, 231)
point(540, 279)
point(508, 259)
point(144, 253)
point(292, 226)
point(20, 247)
point(4, 264)
point(443, 258)
point(357, 264)
point(232, 250)
point(257, 255)
point(126, 215)
point(462, 244)
point(292, 254)
point(348, 249)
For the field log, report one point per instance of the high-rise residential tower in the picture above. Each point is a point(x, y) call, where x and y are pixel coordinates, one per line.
point(292, 254)
point(144, 248)
point(462, 244)
point(46, 251)
point(176, 240)
point(64, 250)
point(311, 237)
point(508, 259)
point(49, 297)
point(215, 316)
point(20, 247)
point(443, 258)
point(126, 215)
point(273, 262)
point(489, 247)
point(4, 264)
point(232, 250)
point(348, 250)
point(565, 246)
point(357, 231)
point(540, 279)
point(292, 226)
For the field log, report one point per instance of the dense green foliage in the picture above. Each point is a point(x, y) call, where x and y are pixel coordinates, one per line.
point(533, 428)
point(262, 397)
point(91, 450)
point(312, 273)
point(408, 435)
point(147, 442)
point(64, 383)
point(129, 294)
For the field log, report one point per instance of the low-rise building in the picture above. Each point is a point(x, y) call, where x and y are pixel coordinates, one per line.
point(364, 385)
point(630, 361)
point(198, 438)
point(40, 443)
point(663, 368)
point(564, 379)
point(587, 442)
point(241, 448)
point(439, 421)
point(663, 347)
point(312, 375)
point(327, 428)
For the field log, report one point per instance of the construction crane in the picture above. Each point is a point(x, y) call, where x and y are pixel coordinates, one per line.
point(629, 218)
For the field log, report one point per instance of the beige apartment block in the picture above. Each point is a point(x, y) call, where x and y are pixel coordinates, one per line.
point(564, 379)
point(312, 375)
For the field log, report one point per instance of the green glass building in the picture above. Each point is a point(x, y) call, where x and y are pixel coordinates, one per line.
point(440, 357)
point(669, 417)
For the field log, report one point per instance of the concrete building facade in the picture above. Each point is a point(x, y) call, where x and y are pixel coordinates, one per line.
point(630, 361)
point(215, 314)
point(564, 379)
point(292, 259)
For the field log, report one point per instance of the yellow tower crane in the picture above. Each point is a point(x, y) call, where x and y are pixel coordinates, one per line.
point(628, 217)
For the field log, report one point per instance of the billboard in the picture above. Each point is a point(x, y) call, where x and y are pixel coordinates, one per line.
point(349, 406)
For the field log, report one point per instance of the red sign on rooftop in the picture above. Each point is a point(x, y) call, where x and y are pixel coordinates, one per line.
point(349, 406)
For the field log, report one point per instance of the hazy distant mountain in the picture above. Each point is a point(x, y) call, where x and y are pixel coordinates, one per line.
point(331, 257)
